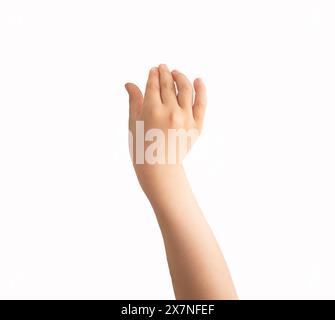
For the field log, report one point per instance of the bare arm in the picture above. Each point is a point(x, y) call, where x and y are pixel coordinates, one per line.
point(197, 266)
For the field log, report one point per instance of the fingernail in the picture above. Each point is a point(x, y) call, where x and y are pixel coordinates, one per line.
point(154, 69)
point(163, 66)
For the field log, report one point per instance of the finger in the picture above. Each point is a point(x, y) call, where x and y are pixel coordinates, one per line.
point(200, 101)
point(135, 99)
point(185, 89)
point(152, 90)
point(167, 87)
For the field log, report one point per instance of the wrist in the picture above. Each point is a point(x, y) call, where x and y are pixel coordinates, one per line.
point(155, 179)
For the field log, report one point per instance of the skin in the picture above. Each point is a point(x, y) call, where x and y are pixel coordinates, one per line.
point(197, 266)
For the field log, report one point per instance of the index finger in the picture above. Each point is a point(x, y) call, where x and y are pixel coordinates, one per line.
point(152, 90)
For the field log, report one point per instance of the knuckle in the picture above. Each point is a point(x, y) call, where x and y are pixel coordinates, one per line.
point(186, 87)
point(154, 113)
point(200, 103)
point(165, 85)
point(175, 119)
point(152, 86)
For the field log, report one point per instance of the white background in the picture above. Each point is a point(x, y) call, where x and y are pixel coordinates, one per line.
point(73, 221)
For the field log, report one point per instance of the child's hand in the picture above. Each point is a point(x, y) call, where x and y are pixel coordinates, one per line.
point(197, 266)
point(167, 104)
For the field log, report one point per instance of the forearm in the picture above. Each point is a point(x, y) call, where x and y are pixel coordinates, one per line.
point(197, 266)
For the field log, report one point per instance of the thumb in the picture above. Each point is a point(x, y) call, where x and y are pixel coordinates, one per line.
point(135, 98)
